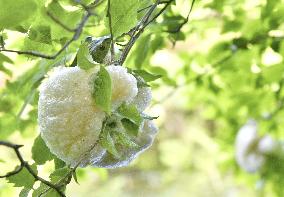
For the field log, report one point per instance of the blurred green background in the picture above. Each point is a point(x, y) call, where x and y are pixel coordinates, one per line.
point(224, 67)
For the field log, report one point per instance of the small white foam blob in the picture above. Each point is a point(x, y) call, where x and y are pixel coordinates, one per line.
point(143, 98)
point(144, 140)
point(266, 144)
point(68, 119)
point(247, 154)
point(124, 85)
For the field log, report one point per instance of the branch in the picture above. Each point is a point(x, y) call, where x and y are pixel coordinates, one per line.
point(139, 29)
point(25, 164)
point(77, 33)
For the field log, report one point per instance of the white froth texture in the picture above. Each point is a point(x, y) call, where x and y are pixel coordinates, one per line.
point(144, 140)
point(143, 98)
point(251, 149)
point(68, 119)
point(124, 85)
point(70, 122)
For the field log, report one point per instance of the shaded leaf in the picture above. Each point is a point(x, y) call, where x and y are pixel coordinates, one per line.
point(130, 112)
point(147, 117)
point(24, 192)
point(148, 77)
point(41, 33)
point(130, 127)
point(107, 142)
point(58, 174)
point(74, 175)
point(44, 191)
point(23, 178)
point(58, 163)
point(40, 152)
point(99, 48)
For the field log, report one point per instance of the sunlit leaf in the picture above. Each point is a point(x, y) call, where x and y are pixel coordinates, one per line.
point(102, 90)
point(40, 152)
point(123, 15)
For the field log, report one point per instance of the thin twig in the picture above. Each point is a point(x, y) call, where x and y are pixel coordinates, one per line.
point(25, 164)
point(184, 22)
point(139, 29)
point(160, 12)
point(96, 3)
point(56, 20)
point(147, 7)
point(68, 176)
point(76, 35)
point(111, 32)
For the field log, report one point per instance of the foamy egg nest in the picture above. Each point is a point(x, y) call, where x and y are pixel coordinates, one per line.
point(251, 149)
point(70, 122)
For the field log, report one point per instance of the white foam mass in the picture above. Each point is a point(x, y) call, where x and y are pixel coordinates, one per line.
point(247, 154)
point(68, 119)
point(143, 98)
point(251, 149)
point(124, 85)
point(70, 122)
point(144, 140)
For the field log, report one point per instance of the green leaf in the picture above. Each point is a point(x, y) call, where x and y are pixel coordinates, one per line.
point(163, 72)
point(172, 23)
point(148, 77)
point(102, 90)
point(130, 112)
point(147, 117)
point(107, 142)
point(15, 12)
point(142, 51)
point(24, 192)
point(67, 17)
point(99, 48)
point(40, 152)
point(125, 140)
point(130, 127)
point(123, 15)
point(40, 33)
point(273, 73)
point(83, 57)
point(74, 175)
point(5, 70)
point(58, 174)
point(43, 191)
point(58, 163)
point(4, 58)
point(23, 178)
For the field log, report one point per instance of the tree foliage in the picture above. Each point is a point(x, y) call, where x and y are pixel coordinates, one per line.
point(232, 73)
